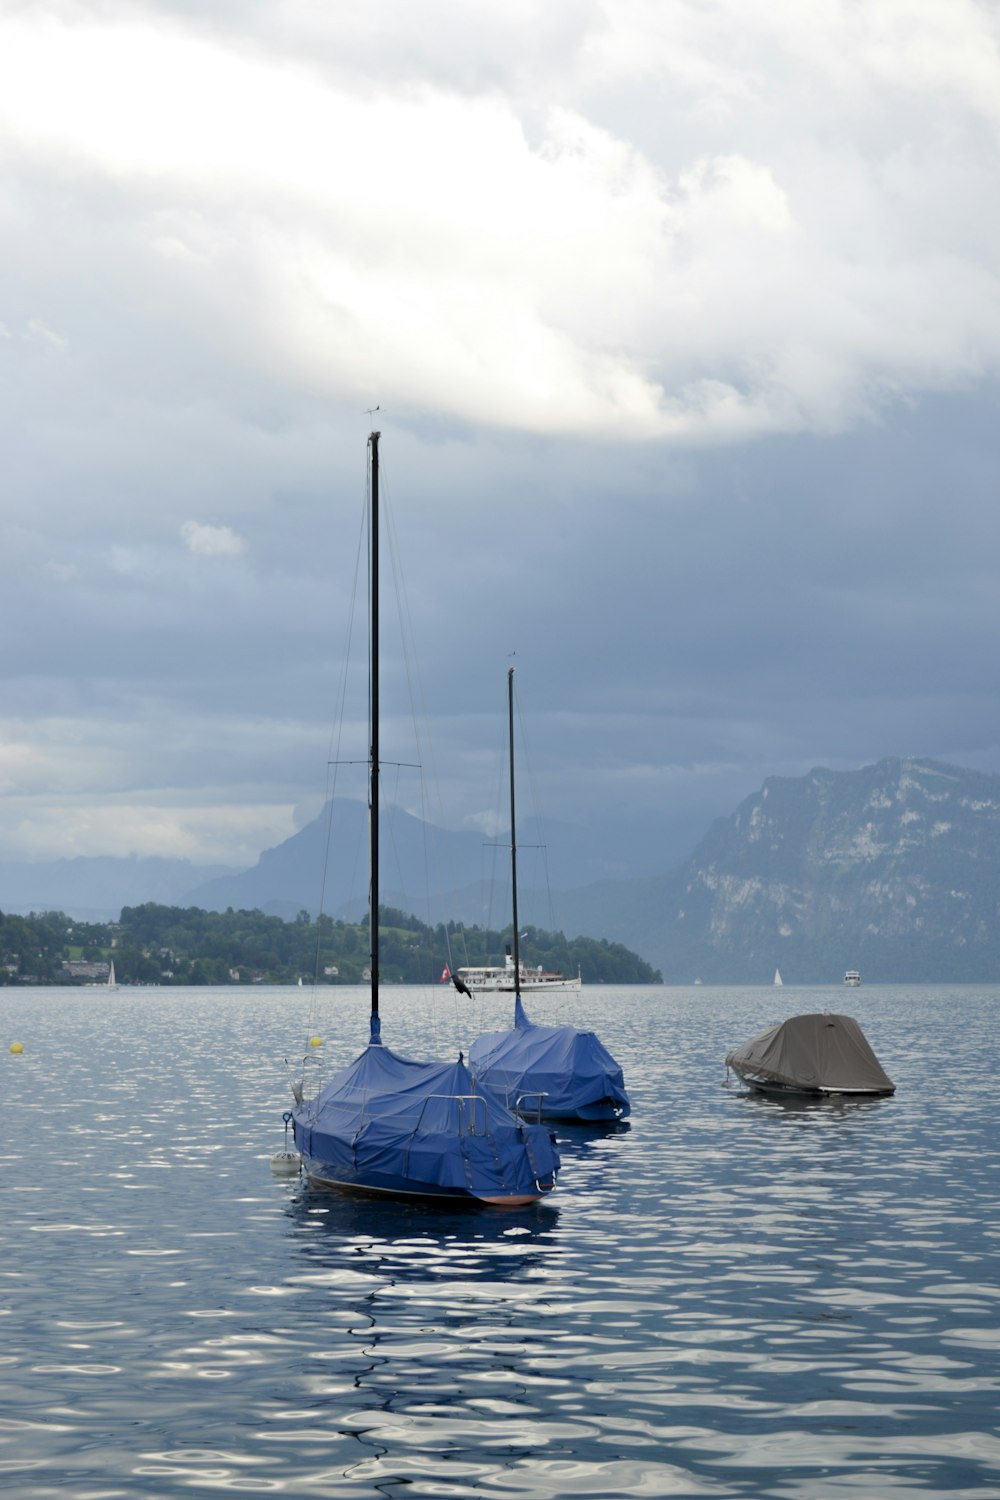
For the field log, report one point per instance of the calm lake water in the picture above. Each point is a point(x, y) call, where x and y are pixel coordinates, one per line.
point(731, 1297)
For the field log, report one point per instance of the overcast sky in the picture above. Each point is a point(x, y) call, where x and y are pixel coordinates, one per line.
point(684, 324)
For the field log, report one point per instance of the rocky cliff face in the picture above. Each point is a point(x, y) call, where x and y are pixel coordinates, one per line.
point(892, 869)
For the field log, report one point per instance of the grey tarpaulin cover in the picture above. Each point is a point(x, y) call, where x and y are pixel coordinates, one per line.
point(812, 1054)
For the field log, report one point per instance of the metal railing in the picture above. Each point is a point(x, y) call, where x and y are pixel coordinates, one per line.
point(461, 1100)
point(538, 1095)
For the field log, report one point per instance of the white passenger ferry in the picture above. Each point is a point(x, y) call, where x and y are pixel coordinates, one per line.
point(852, 977)
point(499, 979)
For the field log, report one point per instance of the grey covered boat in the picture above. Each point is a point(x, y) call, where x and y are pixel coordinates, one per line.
point(817, 1054)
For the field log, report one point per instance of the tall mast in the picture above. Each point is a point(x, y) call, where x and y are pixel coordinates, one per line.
point(373, 746)
point(513, 835)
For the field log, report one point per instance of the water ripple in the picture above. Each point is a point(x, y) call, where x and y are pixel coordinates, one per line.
point(730, 1297)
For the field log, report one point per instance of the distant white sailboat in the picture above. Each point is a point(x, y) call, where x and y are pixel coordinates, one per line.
point(112, 982)
point(777, 977)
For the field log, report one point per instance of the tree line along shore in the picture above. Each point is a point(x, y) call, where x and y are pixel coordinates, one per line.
point(169, 945)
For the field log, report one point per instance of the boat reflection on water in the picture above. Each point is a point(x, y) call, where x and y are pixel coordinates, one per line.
point(823, 1105)
point(433, 1320)
point(590, 1130)
point(577, 1142)
point(599, 1167)
point(411, 1241)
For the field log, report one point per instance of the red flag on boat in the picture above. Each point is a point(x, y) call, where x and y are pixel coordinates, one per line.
point(445, 975)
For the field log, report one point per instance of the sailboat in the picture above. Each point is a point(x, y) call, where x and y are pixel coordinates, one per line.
point(388, 1124)
point(777, 977)
point(112, 981)
point(546, 1072)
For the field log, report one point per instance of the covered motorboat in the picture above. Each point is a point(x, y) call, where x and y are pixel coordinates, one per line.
point(816, 1054)
point(551, 1072)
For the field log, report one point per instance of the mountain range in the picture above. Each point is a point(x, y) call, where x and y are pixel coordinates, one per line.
point(891, 869)
point(95, 888)
point(325, 864)
point(418, 860)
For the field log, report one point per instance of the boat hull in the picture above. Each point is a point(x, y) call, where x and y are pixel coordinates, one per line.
point(392, 1126)
point(516, 1167)
point(606, 1112)
point(601, 1112)
point(804, 1091)
point(321, 1174)
point(506, 986)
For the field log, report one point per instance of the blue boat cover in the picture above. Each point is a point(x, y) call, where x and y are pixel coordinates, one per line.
point(389, 1124)
point(570, 1072)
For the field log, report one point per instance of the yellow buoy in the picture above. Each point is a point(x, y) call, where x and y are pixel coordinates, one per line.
point(16, 1047)
point(315, 1041)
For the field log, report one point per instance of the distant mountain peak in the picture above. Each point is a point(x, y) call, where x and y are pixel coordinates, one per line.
point(890, 867)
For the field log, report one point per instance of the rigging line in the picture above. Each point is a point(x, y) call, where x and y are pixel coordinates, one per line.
point(429, 788)
point(417, 700)
point(449, 956)
point(333, 750)
point(418, 711)
point(391, 821)
point(499, 816)
point(533, 800)
point(371, 573)
point(456, 960)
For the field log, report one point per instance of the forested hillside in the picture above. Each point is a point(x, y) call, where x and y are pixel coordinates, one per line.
point(153, 944)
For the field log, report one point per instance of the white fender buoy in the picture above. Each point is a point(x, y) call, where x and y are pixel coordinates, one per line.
point(286, 1163)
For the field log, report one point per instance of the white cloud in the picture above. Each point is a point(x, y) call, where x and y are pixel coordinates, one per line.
point(64, 827)
point(38, 330)
point(69, 788)
point(211, 541)
point(668, 226)
point(708, 224)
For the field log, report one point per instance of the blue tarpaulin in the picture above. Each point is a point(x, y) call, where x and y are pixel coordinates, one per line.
point(567, 1074)
point(389, 1124)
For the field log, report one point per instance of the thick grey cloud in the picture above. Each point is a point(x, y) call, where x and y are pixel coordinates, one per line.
point(686, 331)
